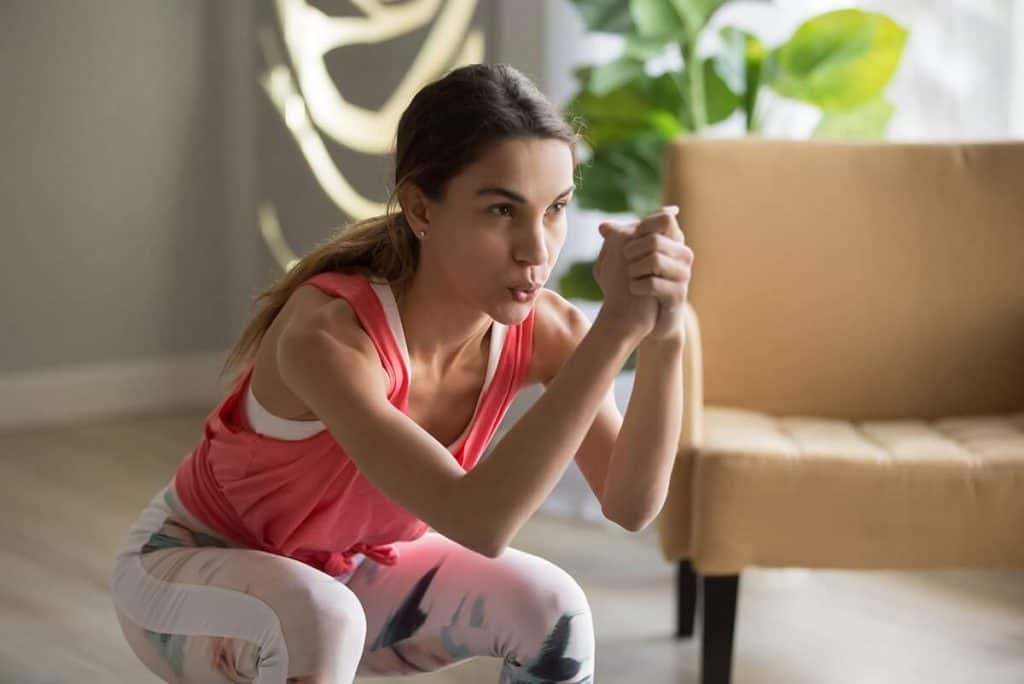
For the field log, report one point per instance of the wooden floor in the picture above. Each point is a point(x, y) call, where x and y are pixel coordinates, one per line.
point(67, 496)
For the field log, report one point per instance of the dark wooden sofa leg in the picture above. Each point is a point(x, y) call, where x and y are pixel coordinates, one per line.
point(720, 594)
point(686, 596)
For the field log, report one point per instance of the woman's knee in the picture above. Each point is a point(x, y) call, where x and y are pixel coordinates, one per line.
point(554, 627)
point(324, 629)
point(326, 612)
point(549, 593)
point(297, 618)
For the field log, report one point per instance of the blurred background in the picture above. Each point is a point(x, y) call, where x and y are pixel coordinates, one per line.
point(163, 160)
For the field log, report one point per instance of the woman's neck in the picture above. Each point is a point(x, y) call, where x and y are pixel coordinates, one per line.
point(441, 332)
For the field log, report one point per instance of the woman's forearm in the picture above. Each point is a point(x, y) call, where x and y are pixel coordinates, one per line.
point(645, 450)
point(524, 467)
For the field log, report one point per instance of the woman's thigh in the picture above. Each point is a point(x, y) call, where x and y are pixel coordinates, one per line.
point(194, 609)
point(442, 604)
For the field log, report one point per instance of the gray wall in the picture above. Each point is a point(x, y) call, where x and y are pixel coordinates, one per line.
point(367, 75)
point(112, 181)
point(136, 144)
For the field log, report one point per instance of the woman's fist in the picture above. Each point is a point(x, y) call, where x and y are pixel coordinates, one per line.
point(633, 313)
point(659, 265)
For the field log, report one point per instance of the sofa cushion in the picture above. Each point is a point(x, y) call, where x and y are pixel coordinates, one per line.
point(863, 280)
point(815, 492)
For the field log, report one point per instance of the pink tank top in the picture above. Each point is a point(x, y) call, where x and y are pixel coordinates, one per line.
point(305, 498)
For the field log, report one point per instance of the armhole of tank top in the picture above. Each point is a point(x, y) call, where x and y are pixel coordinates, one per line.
point(337, 293)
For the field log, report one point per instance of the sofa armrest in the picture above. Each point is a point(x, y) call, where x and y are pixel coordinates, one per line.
point(693, 382)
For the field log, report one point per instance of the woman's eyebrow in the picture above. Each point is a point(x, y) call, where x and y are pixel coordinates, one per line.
point(515, 196)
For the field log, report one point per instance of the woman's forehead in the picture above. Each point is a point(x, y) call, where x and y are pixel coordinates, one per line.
point(534, 169)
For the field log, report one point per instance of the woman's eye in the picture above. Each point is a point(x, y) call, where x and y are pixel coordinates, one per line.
point(506, 209)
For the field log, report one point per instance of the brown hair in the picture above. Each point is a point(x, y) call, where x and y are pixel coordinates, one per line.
point(448, 125)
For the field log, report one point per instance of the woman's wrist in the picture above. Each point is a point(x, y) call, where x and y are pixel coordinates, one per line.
point(607, 323)
point(669, 342)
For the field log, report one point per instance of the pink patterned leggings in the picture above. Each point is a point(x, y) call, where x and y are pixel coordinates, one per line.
point(196, 608)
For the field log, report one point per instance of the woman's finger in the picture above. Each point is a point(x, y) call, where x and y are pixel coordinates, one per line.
point(638, 247)
point(660, 265)
point(670, 209)
point(611, 229)
point(662, 222)
point(667, 292)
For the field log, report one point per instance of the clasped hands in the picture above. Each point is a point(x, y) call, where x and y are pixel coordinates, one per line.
point(643, 270)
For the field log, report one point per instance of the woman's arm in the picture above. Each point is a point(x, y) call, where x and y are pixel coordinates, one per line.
point(637, 452)
point(644, 452)
point(509, 485)
point(628, 461)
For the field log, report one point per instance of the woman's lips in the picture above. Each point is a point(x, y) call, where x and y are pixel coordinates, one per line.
point(524, 295)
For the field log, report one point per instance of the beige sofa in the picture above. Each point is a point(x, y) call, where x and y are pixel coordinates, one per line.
point(854, 370)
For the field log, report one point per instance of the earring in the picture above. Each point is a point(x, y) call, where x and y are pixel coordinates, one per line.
point(422, 234)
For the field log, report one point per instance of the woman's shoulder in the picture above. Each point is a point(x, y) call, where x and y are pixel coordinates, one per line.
point(558, 327)
point(314, 309)
point(308, 309)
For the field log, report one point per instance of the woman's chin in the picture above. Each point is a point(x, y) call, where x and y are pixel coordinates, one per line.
point(512, 313)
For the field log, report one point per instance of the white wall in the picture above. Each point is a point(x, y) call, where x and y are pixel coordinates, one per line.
point(1017, 70)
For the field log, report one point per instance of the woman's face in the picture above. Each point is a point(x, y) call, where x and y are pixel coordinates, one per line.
point(501, 225)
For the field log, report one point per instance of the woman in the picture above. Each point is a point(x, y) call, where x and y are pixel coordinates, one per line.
point(297, 549)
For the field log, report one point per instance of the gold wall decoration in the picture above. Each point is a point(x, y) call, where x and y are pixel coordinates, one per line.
point(313, 107)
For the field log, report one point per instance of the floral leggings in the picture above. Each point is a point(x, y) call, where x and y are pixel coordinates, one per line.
point(197, 608)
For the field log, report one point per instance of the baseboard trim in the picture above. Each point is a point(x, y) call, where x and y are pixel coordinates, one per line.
point(57, 396)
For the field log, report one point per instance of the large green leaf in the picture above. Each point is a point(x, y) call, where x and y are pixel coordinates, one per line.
point(721, 100)
point(623, 176)
point(615, 74)
point(839, 59)
point(865, 122)
point(738, 63)
point(655, 18)
point(695, 13)
point(600, 185)
point(609, 16)
point(645, 47)
point(643, 105)
point(731, 59)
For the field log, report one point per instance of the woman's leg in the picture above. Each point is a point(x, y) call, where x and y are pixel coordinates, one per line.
point(442, 604)
point(194, 610)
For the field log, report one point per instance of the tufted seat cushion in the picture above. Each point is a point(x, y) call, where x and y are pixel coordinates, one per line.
point(817, 492)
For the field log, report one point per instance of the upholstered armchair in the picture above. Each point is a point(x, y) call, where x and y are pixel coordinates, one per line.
point(854, 365)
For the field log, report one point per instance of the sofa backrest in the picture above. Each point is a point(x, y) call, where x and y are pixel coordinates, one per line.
point(855, 280)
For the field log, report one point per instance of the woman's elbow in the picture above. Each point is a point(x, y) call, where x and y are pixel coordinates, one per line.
point(631, 521)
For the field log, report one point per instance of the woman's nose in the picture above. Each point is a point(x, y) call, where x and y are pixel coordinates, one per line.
point(532, 248)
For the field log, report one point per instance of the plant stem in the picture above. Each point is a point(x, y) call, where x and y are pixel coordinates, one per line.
point(695, 74)
point(680, 82)
point(750, 105)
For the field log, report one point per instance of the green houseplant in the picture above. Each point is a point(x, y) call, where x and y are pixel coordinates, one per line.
point(839, 61)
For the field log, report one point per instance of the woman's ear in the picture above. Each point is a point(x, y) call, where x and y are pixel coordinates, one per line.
point(414, 207)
